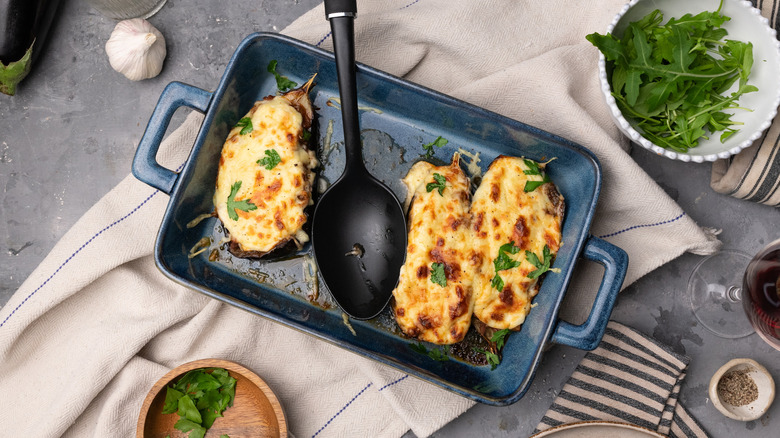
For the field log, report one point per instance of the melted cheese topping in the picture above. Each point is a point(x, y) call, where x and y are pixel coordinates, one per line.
point(438, 233)
point(503, 212)
point(280, 194)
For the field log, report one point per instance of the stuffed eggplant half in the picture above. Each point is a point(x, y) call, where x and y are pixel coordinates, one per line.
point(266, 173)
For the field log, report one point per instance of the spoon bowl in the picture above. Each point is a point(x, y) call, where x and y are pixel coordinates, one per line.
point(359, 243)
point(358, 228)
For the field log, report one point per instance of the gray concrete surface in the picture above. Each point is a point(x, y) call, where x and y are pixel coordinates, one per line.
point(70, 134)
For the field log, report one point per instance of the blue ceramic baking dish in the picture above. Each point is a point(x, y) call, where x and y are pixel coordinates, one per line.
point(397, 118)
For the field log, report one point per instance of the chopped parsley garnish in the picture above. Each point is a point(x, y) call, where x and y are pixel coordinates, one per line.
point(233, 205)
point(439, 142)
point(492, 358)
point(199, 398)
point(282, 83)
point(246, 125)
point(543, 265)
point(434, 353)
point(671, 79)
point(439, 183)
point(270, 160)
point(306, 135)
point(504, 262)
point(437, 274)
point(499, 338)
point(533, 169)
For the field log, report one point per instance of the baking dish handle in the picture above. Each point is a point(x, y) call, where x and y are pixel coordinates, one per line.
point(588, 335)
point(145, 165)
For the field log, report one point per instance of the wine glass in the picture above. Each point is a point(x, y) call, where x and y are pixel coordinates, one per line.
point(733, 294)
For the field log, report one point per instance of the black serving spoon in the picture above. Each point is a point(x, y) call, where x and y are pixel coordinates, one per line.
point(358, 228)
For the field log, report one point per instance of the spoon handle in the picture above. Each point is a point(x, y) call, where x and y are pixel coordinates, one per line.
point(341, 14)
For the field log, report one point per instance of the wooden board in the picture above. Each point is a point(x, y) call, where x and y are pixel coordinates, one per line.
point(256, 412)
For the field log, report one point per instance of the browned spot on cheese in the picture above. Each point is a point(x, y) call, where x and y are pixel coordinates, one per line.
point(475, 258)
point(495, 222)
point(440, 241)
point(427, 322)
point(478, 222)
point(506, 296)
point(278, 220)
point(452, 223)
point(297, 181)
point(233, 139)
point(411, 248)
point(422, 271)
point(520, 232)
point(290, 137)
point(551, 242)
point(496, 316)
point(461, 306)
point(456, 333)
point(400, 311)
point(495, 192)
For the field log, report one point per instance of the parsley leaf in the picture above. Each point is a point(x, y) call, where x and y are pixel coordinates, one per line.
point(543, 265)
point(205, 394)
point(534, 169)
point(437, 274)
point(246, 125)
point(439, 142)
point(499, 338)
point(492, 358)
point(270, 160)
point(503, 262)
point(233, 205)
point(434, 353)
point(439, 183)
point(282, 83)
point(672, 79)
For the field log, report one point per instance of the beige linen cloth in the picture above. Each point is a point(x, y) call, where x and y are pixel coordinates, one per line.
point(95, 325)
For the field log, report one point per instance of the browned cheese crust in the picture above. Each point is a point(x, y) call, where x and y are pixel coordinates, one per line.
point(502, 212)
point(438, 234)
point(278, 195)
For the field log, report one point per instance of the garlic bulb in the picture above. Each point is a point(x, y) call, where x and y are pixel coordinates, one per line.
point(136, 49)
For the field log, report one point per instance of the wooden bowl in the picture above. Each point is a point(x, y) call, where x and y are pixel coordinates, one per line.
point(256, 411)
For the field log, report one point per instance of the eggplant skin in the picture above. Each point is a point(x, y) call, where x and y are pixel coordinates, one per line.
point(24, 25)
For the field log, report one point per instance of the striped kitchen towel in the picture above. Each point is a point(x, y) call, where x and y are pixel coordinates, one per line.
point(629, 378)
point(754, 173)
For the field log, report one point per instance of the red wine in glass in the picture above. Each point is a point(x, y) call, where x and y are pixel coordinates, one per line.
point(761, 294)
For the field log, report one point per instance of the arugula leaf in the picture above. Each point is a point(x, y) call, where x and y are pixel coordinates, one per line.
point(492, 358)
point(439, 183)
point(246, 125)
point(439, 142)
point(437, 274)
point(533, 169)
point(543, 265)
point(270, 160)
point(233, 205)
point(503, 262)
point(282, 82)
point(499, 338)
point(671, 79)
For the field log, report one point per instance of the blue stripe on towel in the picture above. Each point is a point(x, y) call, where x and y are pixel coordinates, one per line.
point(342, 409)
point(95, 236)
point(634, 227)
point(393, 383)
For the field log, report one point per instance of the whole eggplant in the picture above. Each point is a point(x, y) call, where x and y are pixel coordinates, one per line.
point(23, 28)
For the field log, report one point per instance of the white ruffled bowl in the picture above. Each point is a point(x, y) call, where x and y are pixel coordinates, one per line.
point(746, 24)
